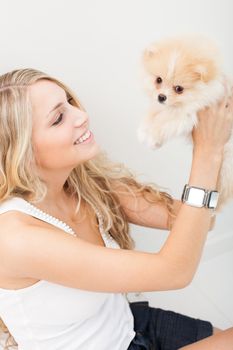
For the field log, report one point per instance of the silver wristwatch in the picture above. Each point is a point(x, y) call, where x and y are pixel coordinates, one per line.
point(199, 197)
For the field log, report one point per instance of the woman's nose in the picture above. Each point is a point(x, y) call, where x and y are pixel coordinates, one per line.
point(80, 119)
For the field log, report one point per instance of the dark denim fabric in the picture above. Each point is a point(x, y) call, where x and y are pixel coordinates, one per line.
point(158, 329)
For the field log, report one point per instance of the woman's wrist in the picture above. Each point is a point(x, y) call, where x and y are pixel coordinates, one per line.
point(205, 169)
point(209, 153)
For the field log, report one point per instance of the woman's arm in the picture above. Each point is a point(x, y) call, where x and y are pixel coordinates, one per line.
point(50, 254)
point(47, 253)
point(142, 213)
point(191, 226)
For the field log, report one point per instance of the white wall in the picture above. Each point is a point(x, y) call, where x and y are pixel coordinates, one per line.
point(95, 47)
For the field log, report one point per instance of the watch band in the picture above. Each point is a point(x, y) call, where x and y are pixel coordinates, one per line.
point(199, 197)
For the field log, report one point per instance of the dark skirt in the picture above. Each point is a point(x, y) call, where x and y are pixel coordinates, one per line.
point(158, 329)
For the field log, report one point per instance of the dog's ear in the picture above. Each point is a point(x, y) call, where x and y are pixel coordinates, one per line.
point(206, 71)
point(150, 51)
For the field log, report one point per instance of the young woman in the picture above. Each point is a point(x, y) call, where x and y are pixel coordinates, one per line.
point(66, 256)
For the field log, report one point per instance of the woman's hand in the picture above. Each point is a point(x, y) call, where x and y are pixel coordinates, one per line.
point(214, 127)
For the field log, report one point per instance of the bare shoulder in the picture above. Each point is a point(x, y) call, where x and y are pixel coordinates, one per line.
point(13, 224)
point(11, 221)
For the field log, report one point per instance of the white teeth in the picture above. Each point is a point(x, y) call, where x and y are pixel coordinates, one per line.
point(84, 137)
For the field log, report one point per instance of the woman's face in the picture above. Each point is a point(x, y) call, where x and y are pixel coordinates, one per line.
point(57, 128)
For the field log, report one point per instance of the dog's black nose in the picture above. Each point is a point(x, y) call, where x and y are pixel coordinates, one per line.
point(162, 98)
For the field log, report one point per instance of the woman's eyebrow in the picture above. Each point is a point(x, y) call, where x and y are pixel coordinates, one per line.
point(54, 108)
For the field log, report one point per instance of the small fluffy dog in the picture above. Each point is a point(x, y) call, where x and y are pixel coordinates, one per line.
point(183, 75)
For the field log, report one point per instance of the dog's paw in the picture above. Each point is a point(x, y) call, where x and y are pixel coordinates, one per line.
point(144, 136)
point(153, 144)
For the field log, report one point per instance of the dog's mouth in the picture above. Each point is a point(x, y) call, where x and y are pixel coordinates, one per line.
point(165, 103)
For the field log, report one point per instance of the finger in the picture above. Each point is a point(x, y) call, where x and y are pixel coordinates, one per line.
point(228, 91)
point(229, 101)
point(225, 101)
point(202, 113)
point(231, 96)
point(229, 112)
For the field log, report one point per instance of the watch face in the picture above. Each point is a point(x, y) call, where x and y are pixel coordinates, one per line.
point(213, 200)
point(196, 197)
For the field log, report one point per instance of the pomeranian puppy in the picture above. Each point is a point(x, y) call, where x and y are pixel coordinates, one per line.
point(184, 75)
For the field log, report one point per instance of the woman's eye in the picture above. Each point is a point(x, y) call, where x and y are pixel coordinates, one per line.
point(59, 119)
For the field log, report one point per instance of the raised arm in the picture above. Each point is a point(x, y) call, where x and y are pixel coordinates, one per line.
point(50, 254)
point(191, 225)
point(143, 213)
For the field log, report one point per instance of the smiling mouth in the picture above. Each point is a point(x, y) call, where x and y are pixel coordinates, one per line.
point(83, 138)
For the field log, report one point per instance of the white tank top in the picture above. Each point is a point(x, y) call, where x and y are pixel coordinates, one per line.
point(50, 316)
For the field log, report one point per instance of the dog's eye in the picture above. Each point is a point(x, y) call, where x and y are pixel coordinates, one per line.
point(178, 89)
point(159, 80)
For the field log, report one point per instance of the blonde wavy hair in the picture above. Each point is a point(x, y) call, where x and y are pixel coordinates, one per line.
point(96, 182)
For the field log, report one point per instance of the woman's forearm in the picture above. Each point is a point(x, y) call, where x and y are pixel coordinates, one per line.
point(184, 245)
